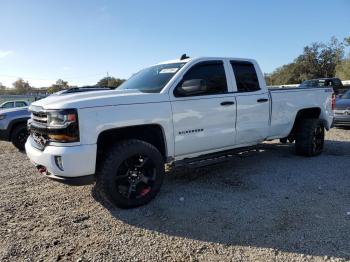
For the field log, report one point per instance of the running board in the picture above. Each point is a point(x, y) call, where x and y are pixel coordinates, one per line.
point(214, 158)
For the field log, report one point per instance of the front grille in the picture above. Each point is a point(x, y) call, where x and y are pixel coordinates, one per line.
point(37, 128)
point(38, 140)
point(39, 118)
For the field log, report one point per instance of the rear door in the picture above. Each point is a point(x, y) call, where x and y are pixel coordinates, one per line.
point(20, 104)
point(253, 105)
point(206, 121)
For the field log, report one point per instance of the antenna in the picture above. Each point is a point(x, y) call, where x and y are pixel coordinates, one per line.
point(184, 56)
point(108, 78)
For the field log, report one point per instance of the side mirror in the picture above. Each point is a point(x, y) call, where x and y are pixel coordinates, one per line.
point(192, 87)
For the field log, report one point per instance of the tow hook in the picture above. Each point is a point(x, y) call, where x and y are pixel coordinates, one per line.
point(42, 170)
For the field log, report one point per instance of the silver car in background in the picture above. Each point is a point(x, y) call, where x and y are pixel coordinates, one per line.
point(13, 126)
point(13, 104)
point(342, 110)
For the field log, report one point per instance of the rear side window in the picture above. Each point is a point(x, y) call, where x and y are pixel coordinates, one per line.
point(246, 77)
point(21, 104)
point(213, 73)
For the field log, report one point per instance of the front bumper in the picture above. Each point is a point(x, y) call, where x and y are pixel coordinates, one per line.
point(78, 161)
point(342, 121)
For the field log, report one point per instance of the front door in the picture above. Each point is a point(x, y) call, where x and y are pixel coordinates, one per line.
point(204, 121)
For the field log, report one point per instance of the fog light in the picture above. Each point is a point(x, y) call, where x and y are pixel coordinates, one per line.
point(59, 162)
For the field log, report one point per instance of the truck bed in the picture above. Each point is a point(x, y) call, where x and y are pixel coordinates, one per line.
point(286, 102)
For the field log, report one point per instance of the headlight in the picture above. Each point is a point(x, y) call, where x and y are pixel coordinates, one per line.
point(3, 116)
point(63, 125)
point(55, 125)
point(61, 118)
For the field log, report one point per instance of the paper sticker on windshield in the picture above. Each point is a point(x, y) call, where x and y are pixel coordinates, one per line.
point(168, 71)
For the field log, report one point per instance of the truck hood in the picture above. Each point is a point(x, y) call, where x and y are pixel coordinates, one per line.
point(90, 99)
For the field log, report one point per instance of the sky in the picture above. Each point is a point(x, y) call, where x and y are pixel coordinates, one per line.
point(81, 41)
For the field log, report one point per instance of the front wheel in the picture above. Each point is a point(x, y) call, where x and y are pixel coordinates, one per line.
point(19, 136)
point(310, 138)
point(132, 173)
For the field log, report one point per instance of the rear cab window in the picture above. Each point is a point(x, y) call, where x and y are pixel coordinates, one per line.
point(246, 76)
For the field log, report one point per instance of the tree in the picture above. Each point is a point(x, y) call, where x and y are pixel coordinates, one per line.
point(317, 60)
point(110, 82)
point(21, 87)
point(343, 69)
point(58, 86)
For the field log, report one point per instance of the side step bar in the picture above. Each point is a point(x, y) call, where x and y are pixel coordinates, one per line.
point(214, 158)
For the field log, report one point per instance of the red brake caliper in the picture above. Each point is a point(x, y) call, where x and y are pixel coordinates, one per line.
point(145, 191)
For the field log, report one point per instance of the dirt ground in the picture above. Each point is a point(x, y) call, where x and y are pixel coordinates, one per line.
point(263, 206)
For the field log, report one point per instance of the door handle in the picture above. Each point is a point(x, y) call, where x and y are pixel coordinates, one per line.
point(262, 100)
point(227, 103)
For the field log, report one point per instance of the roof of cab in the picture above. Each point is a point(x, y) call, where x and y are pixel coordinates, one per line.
point(203, 58)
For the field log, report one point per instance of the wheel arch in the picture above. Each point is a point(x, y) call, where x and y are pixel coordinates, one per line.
point(15, 123)
point(306, 113)
point(150, 133)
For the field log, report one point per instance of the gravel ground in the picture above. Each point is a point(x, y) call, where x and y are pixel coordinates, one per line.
point(268, 206)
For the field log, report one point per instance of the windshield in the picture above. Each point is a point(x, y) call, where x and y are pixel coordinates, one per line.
point(152, 79)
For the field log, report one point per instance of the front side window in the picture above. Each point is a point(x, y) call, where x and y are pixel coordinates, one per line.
point(8, 105)
point(152, 79)
point(246, 77)
point(212, 76)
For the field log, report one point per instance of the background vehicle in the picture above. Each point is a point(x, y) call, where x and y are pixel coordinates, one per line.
point(335, 83)
point(13, 126)
point(342, 110)
point(14, 104)
point(187, 112)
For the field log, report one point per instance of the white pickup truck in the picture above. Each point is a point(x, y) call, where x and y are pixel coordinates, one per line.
point(190, 111)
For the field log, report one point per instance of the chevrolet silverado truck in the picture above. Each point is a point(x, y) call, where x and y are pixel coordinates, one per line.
point(13, 126)
point(185, 112)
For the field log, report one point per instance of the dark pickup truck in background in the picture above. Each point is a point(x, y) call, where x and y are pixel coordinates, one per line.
point(333, 82)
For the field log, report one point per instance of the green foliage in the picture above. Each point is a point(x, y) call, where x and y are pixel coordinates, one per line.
point(343, 69)
point(58, 86)
point(110, 82)
point(317, 60)
point(347, 41)
point(21, 87)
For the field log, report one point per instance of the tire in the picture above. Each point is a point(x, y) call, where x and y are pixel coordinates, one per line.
point(131, 174)
point(19, 136)
point(309, 138)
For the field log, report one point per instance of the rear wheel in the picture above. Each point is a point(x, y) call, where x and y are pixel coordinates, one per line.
point(310, 138)
point(19, 136)
point(131, 174)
